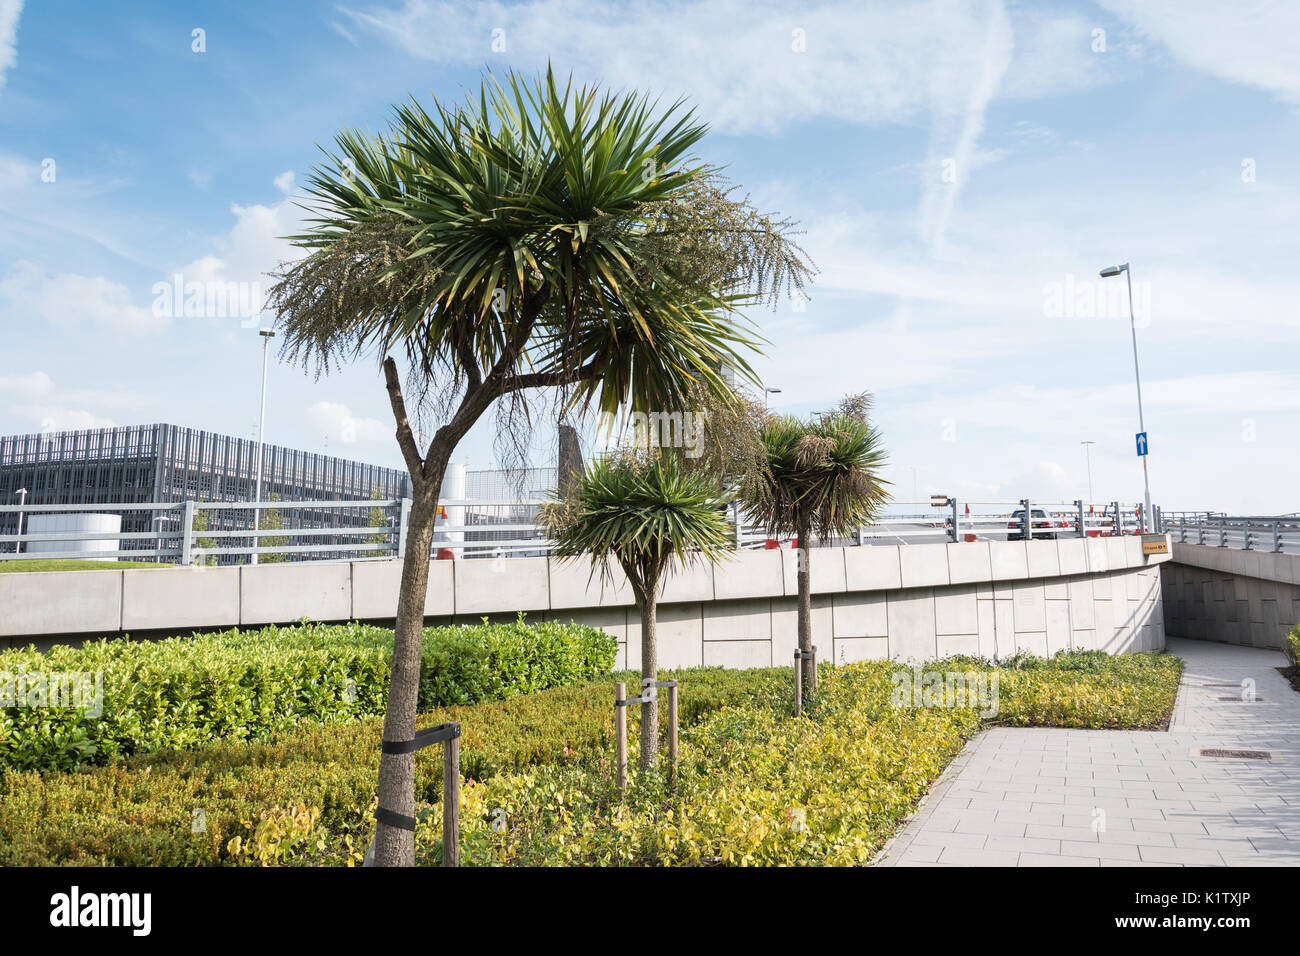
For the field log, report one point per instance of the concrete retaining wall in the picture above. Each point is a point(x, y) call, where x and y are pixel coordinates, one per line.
point(1231, 595)
point(915, 601)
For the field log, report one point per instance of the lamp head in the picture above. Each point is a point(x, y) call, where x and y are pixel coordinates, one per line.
point(268, 333)
point(1110, 271)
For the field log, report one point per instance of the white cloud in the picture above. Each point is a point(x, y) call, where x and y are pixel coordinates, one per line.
point(53, 418)
point(64, 299)
point(10, 10)
point(34, 399)
point(952, 159)
point(1253, 44)
point(247, 255)
point(29, 385)
point(284, 182)
point(338, 423)
point(878, 63)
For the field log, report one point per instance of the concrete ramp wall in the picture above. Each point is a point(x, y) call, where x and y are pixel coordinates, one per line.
point(906, 602)
point(1231, 595)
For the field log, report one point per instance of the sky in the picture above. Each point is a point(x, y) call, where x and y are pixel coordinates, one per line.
point(960, 172)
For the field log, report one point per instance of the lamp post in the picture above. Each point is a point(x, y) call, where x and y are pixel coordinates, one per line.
point(769, 391)
point(267, 335)
point(22, 503)
point(1107, 273)
point(1087, 449)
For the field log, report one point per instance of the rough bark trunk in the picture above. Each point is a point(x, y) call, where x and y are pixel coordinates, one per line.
point(393, 845)
point(649, 669)
point(805, 604)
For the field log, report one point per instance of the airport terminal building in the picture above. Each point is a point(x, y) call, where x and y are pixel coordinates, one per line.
point(169, 463)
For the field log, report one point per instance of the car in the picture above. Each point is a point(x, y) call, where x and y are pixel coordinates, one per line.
point(1040, 519)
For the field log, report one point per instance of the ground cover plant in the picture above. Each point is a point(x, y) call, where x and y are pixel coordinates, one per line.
point(755, 786)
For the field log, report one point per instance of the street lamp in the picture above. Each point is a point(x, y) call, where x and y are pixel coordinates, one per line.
point(267, 335)
point(769, 391)
point(1087, 448)
point(1107, 273)
point(22, 503)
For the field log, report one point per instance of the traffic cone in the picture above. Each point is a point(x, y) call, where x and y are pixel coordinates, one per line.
point(445, 554)
point(970, 535)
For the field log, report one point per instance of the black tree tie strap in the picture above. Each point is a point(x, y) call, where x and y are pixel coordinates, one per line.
point(398, 820)
point(423, 738)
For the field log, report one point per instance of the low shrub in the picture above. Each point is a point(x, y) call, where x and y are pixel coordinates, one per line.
point(755, 786)
point(185, 692)
point(140, 811)
point(1293, 645)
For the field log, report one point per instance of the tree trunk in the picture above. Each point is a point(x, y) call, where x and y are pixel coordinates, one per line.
point(395, 846)
point(805, 604)
point(649, 669)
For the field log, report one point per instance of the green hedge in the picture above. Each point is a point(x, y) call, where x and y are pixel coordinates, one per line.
point(1293, 645)
point(140, 811)
point(185, 692)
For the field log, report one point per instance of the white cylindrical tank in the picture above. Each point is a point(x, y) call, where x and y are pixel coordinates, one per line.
point(453, 489)
point(89, 523)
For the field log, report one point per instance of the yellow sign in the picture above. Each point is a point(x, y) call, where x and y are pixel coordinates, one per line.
point(1155, 544)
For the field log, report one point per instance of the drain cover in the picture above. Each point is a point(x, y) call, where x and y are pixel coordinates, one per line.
point(1236, 754)
point(1242, 700)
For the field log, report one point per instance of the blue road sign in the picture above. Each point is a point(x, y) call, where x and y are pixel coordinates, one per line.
point(1142, 443)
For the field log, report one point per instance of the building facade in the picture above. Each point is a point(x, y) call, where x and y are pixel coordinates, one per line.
point(167, 463)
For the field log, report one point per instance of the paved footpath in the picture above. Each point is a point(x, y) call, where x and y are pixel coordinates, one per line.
point(1043, 797)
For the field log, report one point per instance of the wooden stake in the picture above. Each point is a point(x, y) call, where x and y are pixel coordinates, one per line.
point(620, 733)
point(672, 734)
point(798, 683)
point(451, 802)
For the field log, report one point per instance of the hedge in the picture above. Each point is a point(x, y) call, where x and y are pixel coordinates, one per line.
point(185, 692)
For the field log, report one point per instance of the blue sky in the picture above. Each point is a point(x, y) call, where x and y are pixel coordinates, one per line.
point(962, 170)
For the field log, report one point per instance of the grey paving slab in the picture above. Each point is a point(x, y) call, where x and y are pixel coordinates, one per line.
point(1046, 797)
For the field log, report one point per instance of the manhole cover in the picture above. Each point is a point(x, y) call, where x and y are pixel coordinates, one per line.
point(1236, 754)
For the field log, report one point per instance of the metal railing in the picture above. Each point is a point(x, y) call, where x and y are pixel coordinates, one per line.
point(1275, 533)
point(490, 528)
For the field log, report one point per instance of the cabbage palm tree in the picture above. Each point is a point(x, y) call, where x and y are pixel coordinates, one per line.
point(537, 236)
point(643, 512)
point(823, 477)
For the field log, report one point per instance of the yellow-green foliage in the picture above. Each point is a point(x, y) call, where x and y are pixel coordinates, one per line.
point(1293, 645)
point(1089, 689)
point(139, 811)
point(755, 786)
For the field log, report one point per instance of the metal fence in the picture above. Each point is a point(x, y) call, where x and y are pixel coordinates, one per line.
point(1277, 533)
point(190, 532)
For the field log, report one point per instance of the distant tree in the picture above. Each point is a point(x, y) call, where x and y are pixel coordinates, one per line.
point(643, 512)
point(200, 525)
point(823, 477)
point(378, 518)
point(272, 521)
